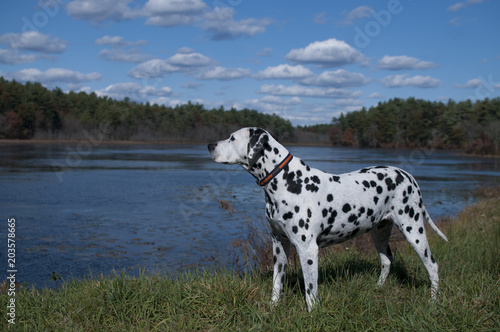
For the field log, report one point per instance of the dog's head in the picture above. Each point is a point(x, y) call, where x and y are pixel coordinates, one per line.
point(244, 147)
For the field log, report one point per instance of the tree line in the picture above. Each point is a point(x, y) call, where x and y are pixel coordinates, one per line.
point(31, 111)
point(470, 126)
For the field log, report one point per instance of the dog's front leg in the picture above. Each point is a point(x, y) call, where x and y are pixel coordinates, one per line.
point(281, 249)
point(309, 261)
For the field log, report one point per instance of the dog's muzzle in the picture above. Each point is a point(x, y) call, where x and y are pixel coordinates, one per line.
point(211, 147)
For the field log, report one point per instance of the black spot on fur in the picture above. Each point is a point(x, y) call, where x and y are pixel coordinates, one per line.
point(288, 215)
point(331, 220)
point(292, 185)
point(399, 179)
point(390, 184)
point(329, 198)
point(312, 188)
point(346, 208)
point(315, 179)
point(379, 190)
point(408, 229)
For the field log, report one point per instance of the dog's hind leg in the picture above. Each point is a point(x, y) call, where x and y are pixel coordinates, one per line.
point(414, 231)
point(380, 236)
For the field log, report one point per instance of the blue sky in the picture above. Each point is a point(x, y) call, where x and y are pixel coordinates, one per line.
point(305, 61)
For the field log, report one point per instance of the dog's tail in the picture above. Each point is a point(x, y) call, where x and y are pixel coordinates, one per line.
point(433, 226)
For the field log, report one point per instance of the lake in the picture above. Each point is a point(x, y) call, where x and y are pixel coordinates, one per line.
point(93, 208)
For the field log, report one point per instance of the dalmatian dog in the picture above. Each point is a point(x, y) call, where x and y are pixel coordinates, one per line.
point(312, 209)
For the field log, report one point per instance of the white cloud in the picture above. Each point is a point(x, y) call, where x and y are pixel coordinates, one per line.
point(134, 91)
point(12, 57)
point(180, 62)
point(271, 105)
point(484, 82)
point(153, 68)
point(191, 85)
point(53, 75)
point(189, 60)
point(221, 24)
point(185, 50)
point(321, 18)
point(117, 41)
point(459, 5)
point(33, 41)
point(168, 13)
point(455, 22)
point(296, 90)
point(280, 101)
point(473, 83)
point(265, 52)
point(357, 14)
point(404, 62)
point(403, 80)
point(347, 102)
point(224, 74)
point(328, 53)
point(161, 7)
point(120, 55)
point(100, 10)
point(338, 78)
point(375, 95)
point(284, 72)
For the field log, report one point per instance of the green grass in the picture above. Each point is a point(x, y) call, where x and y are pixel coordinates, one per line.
point(222, 300)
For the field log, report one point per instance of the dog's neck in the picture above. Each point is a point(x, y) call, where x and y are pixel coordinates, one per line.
point(272, 155)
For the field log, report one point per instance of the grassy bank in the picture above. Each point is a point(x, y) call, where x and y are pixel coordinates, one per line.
point(350, 301)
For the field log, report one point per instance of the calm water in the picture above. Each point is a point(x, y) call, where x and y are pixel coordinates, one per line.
point(82, 208)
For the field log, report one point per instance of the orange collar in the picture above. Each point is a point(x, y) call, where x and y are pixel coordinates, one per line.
point(275, 171)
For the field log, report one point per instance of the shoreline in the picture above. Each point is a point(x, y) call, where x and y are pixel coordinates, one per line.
point(170, 142)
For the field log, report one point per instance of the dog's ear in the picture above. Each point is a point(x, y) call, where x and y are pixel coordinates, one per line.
point(256, 145)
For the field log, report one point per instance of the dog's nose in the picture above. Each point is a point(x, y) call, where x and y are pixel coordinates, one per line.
point(211, 147)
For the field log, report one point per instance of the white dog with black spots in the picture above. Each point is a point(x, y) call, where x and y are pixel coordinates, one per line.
point(312, 209)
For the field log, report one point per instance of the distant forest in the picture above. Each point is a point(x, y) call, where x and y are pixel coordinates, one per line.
point(470, 126)
point(31, 111)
